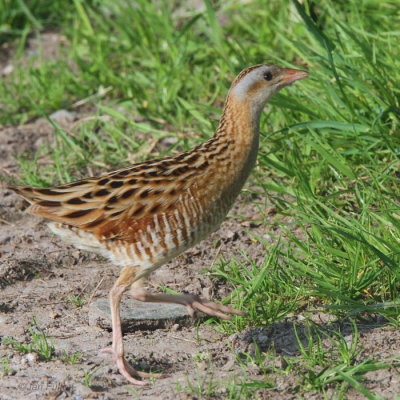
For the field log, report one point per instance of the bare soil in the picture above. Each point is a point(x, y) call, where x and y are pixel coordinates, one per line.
point(39, 274)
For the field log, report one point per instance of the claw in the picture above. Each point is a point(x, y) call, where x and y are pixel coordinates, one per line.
point(214, 309)
point(130, 371)
point(127, 371)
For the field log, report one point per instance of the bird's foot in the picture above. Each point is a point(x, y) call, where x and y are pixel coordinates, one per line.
point(192, 302)
point(128, 372)
point(195, 303)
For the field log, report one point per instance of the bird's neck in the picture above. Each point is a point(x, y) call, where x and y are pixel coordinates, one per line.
point(239, 125)
point(237, 137)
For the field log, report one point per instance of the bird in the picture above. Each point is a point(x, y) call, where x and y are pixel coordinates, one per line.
point(142, 216)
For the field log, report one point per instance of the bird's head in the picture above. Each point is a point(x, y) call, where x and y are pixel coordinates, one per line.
point(256, 85)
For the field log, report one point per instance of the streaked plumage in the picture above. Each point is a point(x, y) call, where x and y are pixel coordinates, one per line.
point(142, 216)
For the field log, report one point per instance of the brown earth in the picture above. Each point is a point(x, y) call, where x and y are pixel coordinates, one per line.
point(39, 274)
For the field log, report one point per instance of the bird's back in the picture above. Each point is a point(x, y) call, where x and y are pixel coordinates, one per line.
point(145, 214)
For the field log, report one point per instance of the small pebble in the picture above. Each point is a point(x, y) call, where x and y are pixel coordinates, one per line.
point(32, 357)
point(206, 293)
point(175, 327)
point(63, 116)
point(8, 69)
point(54, 315)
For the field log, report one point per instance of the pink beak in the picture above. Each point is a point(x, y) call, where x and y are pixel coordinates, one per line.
point(292, 75)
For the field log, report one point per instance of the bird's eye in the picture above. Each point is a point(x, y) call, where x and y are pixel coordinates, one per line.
point(268, 76)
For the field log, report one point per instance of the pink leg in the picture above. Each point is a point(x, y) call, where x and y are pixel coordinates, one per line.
point(117, 344)
point(192, 303)
point(126, 278)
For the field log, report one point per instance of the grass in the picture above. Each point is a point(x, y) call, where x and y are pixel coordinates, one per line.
point(203, 386)
point(39, 344)
point(80, 300)
point(71, 359)
point(89, 375)
point(329, 150)
point(336, 365)
point(5, 368)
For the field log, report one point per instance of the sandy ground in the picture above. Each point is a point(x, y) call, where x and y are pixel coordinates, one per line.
point(39, 274)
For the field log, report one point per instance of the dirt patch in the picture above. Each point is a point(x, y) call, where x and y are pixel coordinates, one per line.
point(47, 46)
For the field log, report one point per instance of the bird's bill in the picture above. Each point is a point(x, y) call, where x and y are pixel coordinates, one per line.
point(291, 75)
